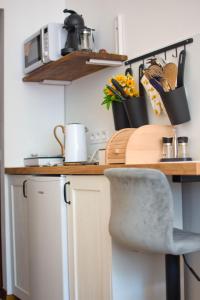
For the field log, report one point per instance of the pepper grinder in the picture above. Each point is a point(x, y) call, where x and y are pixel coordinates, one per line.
point(167, 153)
point(170, 148)
point(183, 152)
point(180, 147)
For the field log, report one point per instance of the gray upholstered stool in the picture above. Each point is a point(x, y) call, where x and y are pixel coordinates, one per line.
point(142, 219)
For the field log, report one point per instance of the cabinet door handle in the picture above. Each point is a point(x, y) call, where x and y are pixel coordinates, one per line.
point(65, 192)
point(24, 189)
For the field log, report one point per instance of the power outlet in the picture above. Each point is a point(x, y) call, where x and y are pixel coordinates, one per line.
point(98, 136)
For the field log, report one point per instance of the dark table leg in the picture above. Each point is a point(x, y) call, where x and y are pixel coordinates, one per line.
point(172, 268)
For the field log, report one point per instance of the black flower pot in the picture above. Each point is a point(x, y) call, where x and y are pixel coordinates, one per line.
point(136, 111)
point(131, 113)
point(176, 105)
point(120, 116)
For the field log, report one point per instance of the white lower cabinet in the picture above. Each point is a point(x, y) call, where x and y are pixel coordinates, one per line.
point(89, 242)
point(19, 237)
point(47, 223)
point(61, 247)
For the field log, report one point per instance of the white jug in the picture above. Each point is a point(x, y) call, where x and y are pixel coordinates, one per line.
point(74, 148)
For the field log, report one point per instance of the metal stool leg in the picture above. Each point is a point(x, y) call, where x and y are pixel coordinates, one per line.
point(172, 269)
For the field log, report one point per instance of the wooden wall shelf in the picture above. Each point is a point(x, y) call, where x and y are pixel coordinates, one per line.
point(72, 66)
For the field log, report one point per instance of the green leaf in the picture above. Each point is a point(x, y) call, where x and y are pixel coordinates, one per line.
point(108, 99)
point(108, 105)
point(104, 102)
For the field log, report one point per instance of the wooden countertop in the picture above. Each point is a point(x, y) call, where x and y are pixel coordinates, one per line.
point(169, 168)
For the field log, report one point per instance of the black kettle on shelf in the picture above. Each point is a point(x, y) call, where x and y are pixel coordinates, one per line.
point(79, 37)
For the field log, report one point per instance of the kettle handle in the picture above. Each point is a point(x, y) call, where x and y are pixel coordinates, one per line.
point(58, 140)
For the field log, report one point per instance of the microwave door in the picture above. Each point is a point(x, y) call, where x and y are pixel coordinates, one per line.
point(33, 52)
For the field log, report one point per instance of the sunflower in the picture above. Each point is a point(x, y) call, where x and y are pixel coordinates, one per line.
point(131, 91)
point(130, 82)
point(121, 79)
point(127, 82)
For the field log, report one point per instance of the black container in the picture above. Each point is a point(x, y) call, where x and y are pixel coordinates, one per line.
point(136, 111)
point(120, 116)
point(176, 105)
point(131, 113)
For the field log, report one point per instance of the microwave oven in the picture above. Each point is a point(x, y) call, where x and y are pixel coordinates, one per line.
point(44, 46)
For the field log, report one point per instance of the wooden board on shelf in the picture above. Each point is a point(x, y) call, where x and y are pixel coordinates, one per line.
point(71, 66)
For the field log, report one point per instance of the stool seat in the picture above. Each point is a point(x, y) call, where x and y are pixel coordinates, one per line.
point(142, 220)
point(185, 242)
point(142, 213)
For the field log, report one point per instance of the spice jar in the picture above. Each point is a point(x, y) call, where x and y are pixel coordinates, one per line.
point(167, 148)
point(183, 151)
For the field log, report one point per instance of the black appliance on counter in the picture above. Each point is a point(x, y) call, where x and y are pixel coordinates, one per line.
point(79, 36)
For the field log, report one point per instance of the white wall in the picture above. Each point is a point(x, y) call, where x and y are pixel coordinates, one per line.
point(31, 110)
point(2, 131)
point(1, 82)
point(148, 26)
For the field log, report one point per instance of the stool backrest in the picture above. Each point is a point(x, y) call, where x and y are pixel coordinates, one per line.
point(141, 209)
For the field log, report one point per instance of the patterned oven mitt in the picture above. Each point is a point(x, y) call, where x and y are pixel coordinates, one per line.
point(154, 96)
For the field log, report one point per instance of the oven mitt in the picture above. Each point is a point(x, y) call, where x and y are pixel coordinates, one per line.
point(154, 96)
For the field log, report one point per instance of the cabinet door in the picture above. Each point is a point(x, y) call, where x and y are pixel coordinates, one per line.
point(47, 238)
point(19, 237)
point(89, 241)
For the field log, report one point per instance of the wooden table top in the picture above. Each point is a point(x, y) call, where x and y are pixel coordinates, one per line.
point(168, 168)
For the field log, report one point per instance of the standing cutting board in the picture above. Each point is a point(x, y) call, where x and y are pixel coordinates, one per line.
point(145, 145)
point(141, 145)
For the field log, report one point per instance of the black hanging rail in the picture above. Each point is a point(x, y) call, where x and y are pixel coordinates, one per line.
point(162, 50)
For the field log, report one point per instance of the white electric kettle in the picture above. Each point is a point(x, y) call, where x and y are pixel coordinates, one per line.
point(74, 148)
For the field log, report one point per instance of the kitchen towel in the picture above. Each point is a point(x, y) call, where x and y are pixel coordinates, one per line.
point(154, 96)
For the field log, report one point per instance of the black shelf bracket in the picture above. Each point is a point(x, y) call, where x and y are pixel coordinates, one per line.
point(159, 51)
point(186, 178)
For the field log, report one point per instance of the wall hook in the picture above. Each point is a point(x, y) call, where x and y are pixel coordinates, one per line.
point(176, 55)
point(143, 62)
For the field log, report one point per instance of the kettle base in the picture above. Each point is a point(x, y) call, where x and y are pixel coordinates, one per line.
point(83, 163)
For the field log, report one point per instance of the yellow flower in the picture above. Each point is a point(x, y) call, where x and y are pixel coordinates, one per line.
point(108, 92)
point(130, 82)
point(126, 90)
point(121, 79)
point(132, 92)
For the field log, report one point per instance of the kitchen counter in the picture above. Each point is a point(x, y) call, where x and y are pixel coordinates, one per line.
point(169, 168)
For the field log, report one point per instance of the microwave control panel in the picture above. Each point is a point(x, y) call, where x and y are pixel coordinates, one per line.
point(46, 45)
